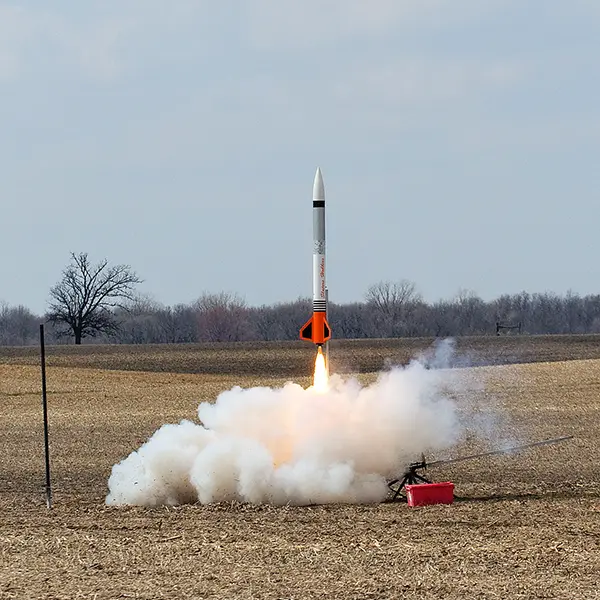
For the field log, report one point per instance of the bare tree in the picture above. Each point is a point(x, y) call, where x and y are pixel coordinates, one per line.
point(180, 323)
point(350, 321)
point(392, 303)
point(18, 325)
point(279, 321)
point(471, 314)
point(222, 317)
point(139, 321)
point(83, 299)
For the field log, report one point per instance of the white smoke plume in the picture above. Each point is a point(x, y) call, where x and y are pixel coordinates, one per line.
point(292, 445)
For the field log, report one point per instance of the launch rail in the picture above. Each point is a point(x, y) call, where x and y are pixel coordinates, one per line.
point(412, 475)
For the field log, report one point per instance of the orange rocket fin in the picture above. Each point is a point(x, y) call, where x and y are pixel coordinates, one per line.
point(306, 333)
point(316, 329)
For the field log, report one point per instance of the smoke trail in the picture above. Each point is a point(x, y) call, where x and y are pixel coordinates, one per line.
point(296, 446)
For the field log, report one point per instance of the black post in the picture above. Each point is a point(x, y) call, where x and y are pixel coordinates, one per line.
point(45, 411)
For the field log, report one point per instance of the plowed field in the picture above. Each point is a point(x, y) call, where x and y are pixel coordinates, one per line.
point(523, 526)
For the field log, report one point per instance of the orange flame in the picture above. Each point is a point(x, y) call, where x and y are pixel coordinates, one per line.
point(321, 377)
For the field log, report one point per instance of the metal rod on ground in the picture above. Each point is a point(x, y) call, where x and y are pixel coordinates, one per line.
point(327, 318)
point(498, 452)
point(45, 412)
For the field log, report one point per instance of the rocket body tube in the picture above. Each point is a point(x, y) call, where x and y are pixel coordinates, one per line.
point(316, 329)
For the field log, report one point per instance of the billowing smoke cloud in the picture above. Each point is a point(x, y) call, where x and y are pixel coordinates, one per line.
point(294, 445)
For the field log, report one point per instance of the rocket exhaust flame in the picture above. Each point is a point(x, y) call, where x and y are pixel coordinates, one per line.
point(321, 377)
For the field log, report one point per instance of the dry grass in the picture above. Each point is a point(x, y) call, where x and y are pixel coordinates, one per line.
point(525, 526)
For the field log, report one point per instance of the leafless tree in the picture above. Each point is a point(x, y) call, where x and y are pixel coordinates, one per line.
point(265, 323)
point(222, 317)
point(139, 321)
point(82, 301)
point(180, 324)
point(392, 303)
point(289, 314)
point(279, 321)
point(471, 313)
point(350, 321)
point(18, 325)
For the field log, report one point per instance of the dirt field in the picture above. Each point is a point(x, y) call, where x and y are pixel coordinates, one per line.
point(524, 526)
point(295, 359)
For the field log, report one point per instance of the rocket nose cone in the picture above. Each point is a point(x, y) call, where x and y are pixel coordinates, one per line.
point(318, 187)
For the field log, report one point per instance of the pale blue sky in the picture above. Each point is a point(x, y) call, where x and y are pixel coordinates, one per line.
point(458, 139)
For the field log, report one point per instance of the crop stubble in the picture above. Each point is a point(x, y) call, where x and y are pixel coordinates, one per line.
point(525, 526)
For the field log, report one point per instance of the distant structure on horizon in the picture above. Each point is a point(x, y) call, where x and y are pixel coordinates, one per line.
point(500, 327)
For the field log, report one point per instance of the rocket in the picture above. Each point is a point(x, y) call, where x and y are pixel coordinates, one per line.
point(316, 329)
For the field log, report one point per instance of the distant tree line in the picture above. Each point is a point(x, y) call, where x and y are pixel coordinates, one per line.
point(389, 309)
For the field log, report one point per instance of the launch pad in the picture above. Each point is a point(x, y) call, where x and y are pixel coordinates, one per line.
point(413, 475)
point(410, 477)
